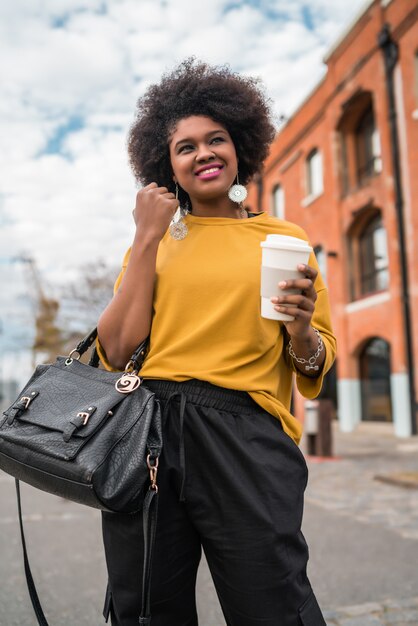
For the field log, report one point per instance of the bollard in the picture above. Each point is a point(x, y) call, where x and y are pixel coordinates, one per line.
point(318, 426)
point(311, 425)
point(325, 417)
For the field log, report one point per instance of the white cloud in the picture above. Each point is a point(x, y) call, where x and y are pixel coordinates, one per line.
point(89, 61)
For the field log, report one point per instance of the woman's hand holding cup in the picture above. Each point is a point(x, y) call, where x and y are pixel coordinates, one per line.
point(301, 306)
point(285, 262)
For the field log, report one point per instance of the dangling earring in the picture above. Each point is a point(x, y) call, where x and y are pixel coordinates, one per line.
point(178, 229)
point(238, 193)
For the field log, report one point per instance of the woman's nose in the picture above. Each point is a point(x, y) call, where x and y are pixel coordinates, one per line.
point(204, 153)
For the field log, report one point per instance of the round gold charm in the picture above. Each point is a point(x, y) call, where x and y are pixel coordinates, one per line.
point(127, 383)
point(178, 230)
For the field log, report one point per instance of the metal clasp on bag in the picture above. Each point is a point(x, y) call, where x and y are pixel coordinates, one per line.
point(85, 416)
point(25, 400)
point(70, 358)
point(19, 406)
point(153, 470)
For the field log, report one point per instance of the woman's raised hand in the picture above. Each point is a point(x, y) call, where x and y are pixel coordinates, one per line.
point(154, 210)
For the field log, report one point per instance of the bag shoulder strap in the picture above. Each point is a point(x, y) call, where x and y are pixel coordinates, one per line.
point(29, 578)
point(136, 359)
point(149, 520)
point(149, 523)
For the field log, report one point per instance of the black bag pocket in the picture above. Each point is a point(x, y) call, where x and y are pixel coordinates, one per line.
point(59, 428)
point(310, 614)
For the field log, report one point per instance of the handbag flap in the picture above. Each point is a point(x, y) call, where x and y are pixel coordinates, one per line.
point(68, 401)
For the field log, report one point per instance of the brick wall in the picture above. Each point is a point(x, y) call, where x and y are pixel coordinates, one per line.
point(354, 81)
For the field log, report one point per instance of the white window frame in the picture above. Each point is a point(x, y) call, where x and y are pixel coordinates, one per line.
point(278, 201)
point(377, 152)
point(314, 176)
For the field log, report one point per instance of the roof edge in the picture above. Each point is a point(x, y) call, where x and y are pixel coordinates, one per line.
point(366, 6)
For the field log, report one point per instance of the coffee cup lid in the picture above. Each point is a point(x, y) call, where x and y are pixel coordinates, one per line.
point(286, 242)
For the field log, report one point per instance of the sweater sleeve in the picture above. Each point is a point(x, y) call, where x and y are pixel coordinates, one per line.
point(99, 347)
point(309, 386)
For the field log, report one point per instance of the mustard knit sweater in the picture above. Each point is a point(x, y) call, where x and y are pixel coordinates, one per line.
point(206, 315)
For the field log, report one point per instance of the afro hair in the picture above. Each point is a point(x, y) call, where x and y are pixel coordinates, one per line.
point(196, 88)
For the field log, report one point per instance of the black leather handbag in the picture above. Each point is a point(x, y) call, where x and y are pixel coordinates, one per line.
point(90, 436)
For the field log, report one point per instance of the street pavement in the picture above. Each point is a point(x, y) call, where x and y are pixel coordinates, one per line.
point(362, 534)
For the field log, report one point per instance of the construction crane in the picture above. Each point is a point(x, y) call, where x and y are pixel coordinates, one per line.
point(48, 339)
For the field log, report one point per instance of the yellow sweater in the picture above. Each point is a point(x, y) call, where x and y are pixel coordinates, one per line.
point(206, 315)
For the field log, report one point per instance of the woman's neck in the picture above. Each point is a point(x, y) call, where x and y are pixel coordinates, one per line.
point(218, 208)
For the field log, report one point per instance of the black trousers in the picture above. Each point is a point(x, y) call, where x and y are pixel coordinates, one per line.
point(230, 481)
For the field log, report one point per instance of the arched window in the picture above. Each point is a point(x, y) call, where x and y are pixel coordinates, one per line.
point(368, 269)
point(373, 257)
point(321, 257)
point(360, 152)
point(314, 174)
point(278, 202)
point(375, 381)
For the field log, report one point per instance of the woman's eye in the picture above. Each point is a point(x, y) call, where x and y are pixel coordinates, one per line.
point(217, 139)
point(185, 147)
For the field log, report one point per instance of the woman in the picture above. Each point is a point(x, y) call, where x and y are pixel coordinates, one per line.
point(231, 477)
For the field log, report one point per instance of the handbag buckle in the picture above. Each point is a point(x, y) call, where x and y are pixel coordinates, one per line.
point(19, 406)
point(26, 400)
point(85, 416)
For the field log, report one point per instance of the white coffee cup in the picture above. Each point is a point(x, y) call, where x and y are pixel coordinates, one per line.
point(281, 254)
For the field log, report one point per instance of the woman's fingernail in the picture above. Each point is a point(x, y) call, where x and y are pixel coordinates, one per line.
point(301, 267)
point(274, 300)
point(282, 284)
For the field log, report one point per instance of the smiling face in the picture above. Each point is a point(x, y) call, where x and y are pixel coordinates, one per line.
point(203, 158)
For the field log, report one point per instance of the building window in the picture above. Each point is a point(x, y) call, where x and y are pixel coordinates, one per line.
point(360, 152)
point(367, 142)
point(314, 174)
point(373, 258)
point(369, 263)
point(321, 257)
point(375, 381)
point(278, 202)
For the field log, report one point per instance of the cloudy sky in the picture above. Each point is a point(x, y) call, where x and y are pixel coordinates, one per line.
point(72, 71)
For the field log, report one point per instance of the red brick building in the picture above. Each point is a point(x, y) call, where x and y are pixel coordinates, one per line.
point(345, 167)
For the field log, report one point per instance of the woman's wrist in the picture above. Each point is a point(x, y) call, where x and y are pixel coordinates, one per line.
point(307, 352)
point(146, 240)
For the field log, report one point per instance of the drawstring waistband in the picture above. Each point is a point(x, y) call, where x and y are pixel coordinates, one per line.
point(201, 393)
point(205, 394)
